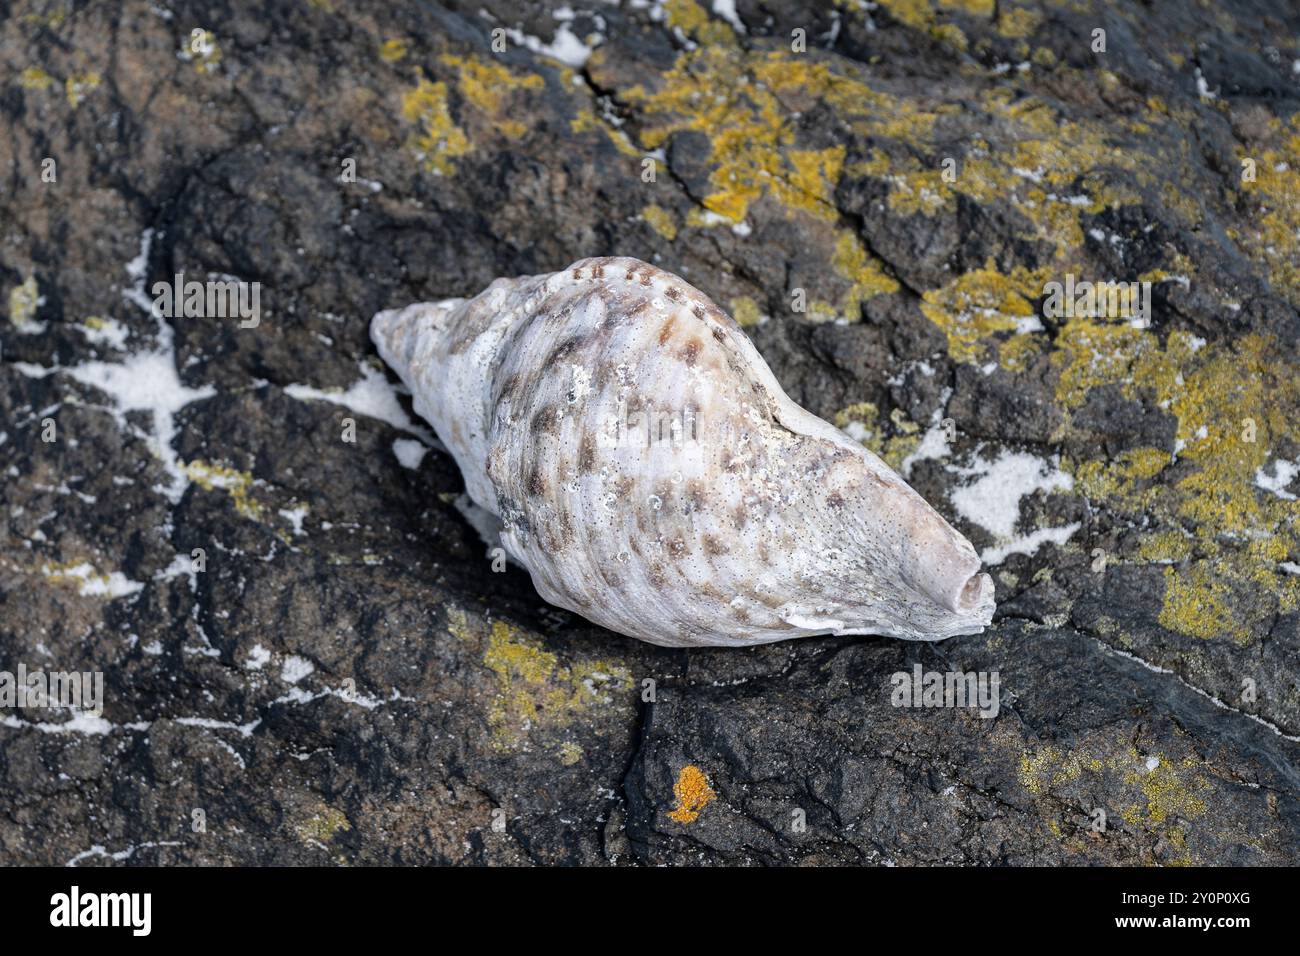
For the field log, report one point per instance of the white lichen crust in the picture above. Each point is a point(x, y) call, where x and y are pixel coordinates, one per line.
point(653, 477)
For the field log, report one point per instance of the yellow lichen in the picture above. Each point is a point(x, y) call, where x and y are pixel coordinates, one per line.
point(1047, 169)
point(951, 36)
point(1164, 792)
point(913, 188)
point(861, 413)
point(1230, 401)
point(440, 140)
point(237, 484)
point(982, 302)
point(747, 104)
point(692, 20)
point(458, 624)
point(53, 15)
point(913, 13)
point(203, 49)
point(1198, 603)
point(1123, 477)
point(392, 50)
point(489, 86)
point(892, 442)
point(1272, 237)
point(982, 9)
point(486, 88)
point(660, 220)
point(1020, 351)
point(34, 78)
point(902, 422)
point(322, 826)
point(693, 794)
point(863, 271)
point(80, 85)
point(24, 300)
point(746, 311)
point(1040, 771)
point(1167, 791)
point(1018, 23)
point(1044, 57)
point(585, 120)
point(1165, 546)
point(919, 15)
point(536, 690)
point(89, 580)
point(1091, 353)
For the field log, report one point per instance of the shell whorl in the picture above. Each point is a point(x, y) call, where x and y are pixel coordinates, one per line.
point(653, 476)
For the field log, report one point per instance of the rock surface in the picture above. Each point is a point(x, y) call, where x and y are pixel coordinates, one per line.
point(308, 655)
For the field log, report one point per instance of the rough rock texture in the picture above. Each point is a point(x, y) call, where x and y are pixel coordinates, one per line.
point(349, 679)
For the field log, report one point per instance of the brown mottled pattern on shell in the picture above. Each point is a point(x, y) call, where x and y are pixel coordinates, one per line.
point(757, 528)
point(664, 340)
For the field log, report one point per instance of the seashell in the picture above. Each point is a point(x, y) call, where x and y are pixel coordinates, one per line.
point(653, 477)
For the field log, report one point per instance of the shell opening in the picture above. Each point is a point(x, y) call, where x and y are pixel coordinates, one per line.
point(972, 593)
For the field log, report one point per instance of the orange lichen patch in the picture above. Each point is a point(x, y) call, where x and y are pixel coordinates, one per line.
point(693, 794)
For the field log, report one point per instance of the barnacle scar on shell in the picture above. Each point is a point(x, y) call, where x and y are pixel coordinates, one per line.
point(653, 477)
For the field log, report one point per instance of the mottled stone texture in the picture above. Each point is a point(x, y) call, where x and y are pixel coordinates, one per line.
point(349, 680)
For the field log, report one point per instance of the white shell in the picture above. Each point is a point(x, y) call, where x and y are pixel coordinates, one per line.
point(653, 477)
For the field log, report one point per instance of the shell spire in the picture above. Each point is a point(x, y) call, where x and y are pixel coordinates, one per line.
point(653, 477)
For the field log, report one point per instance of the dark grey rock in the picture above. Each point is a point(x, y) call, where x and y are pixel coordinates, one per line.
point(349, 680)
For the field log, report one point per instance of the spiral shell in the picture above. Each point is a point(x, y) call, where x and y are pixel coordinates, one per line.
point(653, 477)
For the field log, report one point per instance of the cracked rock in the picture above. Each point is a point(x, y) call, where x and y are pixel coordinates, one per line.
point(308, 654)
